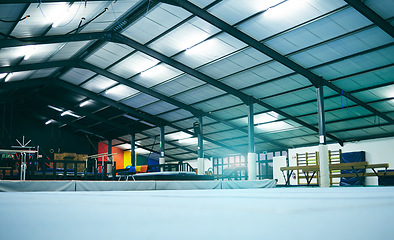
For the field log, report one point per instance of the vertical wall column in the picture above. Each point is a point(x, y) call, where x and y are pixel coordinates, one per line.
point(132, 150)
point(109, 170)
point(251, 151)
point(324, 176)
point(162, 147)
point(200, 148)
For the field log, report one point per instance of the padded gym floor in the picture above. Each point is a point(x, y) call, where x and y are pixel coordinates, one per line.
point(263, 213)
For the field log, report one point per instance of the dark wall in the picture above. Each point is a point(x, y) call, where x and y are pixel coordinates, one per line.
point(50, 138)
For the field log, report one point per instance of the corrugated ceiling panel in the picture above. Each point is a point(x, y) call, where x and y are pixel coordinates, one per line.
point(209, 50)
point(221, 69)
point(158, 107)
point(77, 75)
point(115, 10)
point(108, 54)
point(185, 36)
point(359, 63)
point(17, 76)
point(227, 135)
point(248, 57)
point(343, 47)
point(176, 115)
point(9, 12)
point(178, 85)
point(68, 50)
point(233, 11)
point(243, 80)
point(38, 53)
point(98, 84)
point(231, 113)
point(219, 103)
point(383, 7)
point(136, 63)
point(376, 94)
point(199, 94)
point(284, 16)
point(120, 92)
point(140, 100)
point(384, 106)
point(66, 17)
point(156, 22)
point(367, 79)
point(156, 75)
point(42, 73)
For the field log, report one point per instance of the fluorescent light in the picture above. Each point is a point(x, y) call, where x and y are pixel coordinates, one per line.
point(55, 108)
point(28, 51)
point(130, 117)
point(284, 8)
point(49, 121)
point(153, 71)
point(68, 112)
point(84, 103)
point(141, 151)
point(203, 47)
point(178, 135)
point(275, 126)
point(265, 117)
point(8, 77)
point(149, 124)
point(188, 141)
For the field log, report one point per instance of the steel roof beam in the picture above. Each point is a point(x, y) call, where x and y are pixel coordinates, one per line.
point(167, 99)
point(372, 16)
point(138, 114)
point(313, 78)
point(116, 37)
point(95, 117)
point(244, 97)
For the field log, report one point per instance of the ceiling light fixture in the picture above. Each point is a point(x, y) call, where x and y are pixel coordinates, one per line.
point(84, 103)
point(8, 77)
point(68, 112)
point(55, 108)
point(49, 121)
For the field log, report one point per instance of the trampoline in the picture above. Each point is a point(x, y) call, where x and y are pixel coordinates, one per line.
point(270, 213)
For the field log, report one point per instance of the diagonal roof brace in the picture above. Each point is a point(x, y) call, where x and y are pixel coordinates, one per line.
point(144, 116)
point(372, 16)
point(313, 78)
point(243, 96)
point(117, 37)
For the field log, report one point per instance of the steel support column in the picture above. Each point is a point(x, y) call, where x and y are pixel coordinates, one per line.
point(132, 149)
point(200, 148)
point(324, 176)
point(251, 147)
point(162, 146)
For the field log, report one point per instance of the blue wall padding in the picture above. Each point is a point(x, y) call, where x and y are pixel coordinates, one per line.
point(352, 157)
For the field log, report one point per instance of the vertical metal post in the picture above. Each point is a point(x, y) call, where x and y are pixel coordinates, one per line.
point(250, 128)
point(324, 176)
point(321, 116)
point(162, 147)
point(200, 148)
point(109, 157)
point(251, 151)
point(132, 150)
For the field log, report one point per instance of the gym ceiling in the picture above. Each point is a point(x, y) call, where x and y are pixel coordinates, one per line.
point(110, 68)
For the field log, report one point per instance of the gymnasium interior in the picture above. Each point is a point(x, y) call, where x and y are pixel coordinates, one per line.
point(196, 119)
